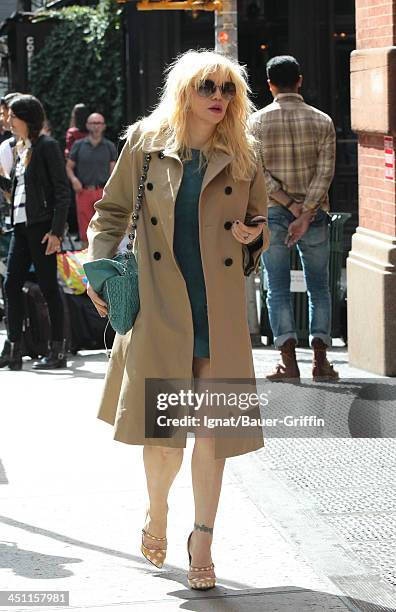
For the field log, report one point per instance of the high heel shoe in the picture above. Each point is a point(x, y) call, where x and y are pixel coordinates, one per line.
point(201, 578)
point(155, 554)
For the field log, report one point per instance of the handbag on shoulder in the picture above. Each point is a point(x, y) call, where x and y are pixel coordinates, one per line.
point(116, 280)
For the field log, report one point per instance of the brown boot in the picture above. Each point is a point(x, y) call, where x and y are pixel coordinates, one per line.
point(287, 368)
point(322, 370)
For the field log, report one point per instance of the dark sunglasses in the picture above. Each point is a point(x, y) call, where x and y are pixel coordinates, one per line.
point(208, 88)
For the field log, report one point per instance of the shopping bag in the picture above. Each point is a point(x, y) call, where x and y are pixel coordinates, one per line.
point(71, 270)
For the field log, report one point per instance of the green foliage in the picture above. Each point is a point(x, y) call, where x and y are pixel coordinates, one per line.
point(81, 62)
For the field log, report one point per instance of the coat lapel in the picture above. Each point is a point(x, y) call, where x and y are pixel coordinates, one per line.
point(172, 166)
point(216, 164)
point(174, 174)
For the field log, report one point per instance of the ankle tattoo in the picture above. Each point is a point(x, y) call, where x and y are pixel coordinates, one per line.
point(203, 527)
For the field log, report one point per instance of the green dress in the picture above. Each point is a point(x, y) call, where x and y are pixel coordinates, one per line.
point(187, 250)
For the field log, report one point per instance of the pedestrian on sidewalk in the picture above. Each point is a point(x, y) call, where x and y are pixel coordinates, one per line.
point(77, 128)
point(91, 161)
point(297, 150)
point(192, 167)
point(39, 206)
point(7, 159)
point(76, 131)
point(7, 145)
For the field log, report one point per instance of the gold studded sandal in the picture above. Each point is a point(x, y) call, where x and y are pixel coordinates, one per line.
point(156, 552)
point(201, 578)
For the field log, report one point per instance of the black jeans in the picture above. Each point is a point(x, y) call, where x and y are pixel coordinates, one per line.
point(25, 249)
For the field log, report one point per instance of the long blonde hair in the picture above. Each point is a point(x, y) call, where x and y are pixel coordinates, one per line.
point(169, 119)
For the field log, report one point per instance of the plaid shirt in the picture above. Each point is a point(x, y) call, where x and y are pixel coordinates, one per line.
point(297, 148)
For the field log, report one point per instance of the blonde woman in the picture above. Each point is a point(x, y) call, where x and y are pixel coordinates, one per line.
point(199, 185)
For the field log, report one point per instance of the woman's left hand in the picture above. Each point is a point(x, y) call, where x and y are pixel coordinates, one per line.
point(245, 233)
point(53, 244)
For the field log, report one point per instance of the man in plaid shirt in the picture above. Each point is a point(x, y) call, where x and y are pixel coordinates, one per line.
point(296, 144)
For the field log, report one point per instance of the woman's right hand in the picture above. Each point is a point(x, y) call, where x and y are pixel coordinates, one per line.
point(99, 304)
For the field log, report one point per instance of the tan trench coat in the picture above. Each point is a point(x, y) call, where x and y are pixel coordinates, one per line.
point(160, 345)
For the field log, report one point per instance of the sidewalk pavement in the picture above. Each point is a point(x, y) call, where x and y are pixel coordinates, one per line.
point(73, 502)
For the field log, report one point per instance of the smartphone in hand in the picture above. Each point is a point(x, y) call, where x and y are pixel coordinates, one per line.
point(255, 221)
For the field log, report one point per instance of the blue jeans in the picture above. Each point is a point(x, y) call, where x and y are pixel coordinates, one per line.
point(314, 251)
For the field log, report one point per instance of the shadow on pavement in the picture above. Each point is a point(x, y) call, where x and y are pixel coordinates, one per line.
point(31, 564)
point(3, 475)
point(228, 596)
point(353, 408)
point(279, 599)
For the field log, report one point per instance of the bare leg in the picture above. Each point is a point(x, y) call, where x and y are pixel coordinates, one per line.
point(161, 465)
point(207, 475)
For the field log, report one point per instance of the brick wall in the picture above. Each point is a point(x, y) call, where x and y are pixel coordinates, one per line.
point(376, 195)
point(375, 27)
point(375, 23)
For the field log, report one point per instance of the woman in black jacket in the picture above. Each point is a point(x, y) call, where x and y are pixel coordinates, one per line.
point(40, 198)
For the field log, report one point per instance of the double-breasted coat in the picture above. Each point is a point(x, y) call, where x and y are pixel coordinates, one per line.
point(160, 345)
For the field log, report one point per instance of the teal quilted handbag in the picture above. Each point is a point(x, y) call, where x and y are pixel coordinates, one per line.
point(116, 280)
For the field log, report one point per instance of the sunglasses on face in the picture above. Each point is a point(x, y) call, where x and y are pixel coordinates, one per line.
point(208, 88)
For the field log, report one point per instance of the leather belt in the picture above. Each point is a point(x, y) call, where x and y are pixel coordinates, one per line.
point(93, 187)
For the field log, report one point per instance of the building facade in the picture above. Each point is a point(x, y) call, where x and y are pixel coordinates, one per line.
point(371, 270)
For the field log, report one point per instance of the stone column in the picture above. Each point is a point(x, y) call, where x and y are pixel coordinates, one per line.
point(371, 266)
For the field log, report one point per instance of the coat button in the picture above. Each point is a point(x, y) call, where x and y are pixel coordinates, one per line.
point(150, 186)
point(228, 261)
point(228, 190)
point(228, 225)
point(154, 220)
point(161, 155)
point(157, 255)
